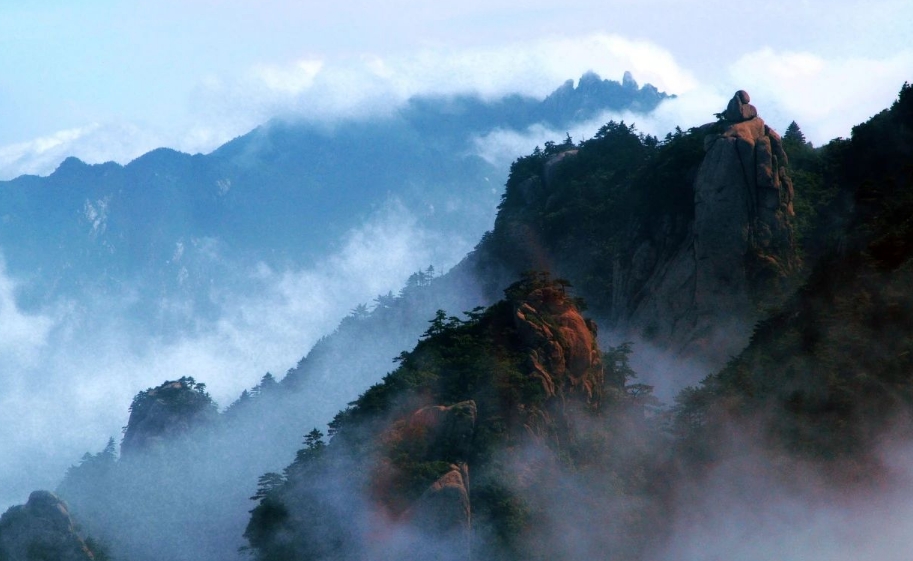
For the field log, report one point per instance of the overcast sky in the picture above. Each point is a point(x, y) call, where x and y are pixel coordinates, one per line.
point(106, 79)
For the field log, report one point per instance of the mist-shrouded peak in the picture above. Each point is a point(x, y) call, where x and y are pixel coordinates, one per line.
point(509, 432)
point(628, 81)
point(593, 95)
point(70, 165)
point(161, 415)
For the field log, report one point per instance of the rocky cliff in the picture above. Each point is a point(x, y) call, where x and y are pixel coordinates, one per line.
point(164, 414)
point(704, 297)
point(681, 243)
point(41, 530)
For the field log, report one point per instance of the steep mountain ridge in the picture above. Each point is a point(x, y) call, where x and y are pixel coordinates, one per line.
point(681, 244)
point(710, 293)
point(829, 373)
point(807, 409)
point(420, 449)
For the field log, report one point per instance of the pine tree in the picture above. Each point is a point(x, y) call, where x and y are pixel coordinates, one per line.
point(794, 134)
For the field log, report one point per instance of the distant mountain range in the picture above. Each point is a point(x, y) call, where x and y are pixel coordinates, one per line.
point(282, 195)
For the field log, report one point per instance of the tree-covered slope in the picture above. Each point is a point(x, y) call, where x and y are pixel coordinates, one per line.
point(472, 447)
point(830, 371)
point(494, 437)
point(805, 411)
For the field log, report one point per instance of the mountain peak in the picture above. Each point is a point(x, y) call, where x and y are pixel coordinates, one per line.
point(594, 95)
point(70, 165)
point(165, 413)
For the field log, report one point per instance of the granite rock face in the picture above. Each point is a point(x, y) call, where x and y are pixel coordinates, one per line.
point(702, 298)
point(561, 346)
point(444, 513)
point(438, 523)
point(739, 108)
point(41, 529)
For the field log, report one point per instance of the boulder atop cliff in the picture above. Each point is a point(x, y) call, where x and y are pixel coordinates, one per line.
point(739, 109)
point(41, 529)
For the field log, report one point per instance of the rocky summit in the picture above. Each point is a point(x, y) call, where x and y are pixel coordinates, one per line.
point(165, 414)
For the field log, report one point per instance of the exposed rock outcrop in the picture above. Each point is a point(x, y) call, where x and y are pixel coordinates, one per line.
point(444, 512)
point(521, 378)
point(561, 346)
point(704, 297)
point(739, 108)
point(41, 529)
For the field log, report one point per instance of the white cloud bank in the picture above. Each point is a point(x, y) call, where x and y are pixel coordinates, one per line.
point(826, 94)
point(69, 373)
point(356, 86)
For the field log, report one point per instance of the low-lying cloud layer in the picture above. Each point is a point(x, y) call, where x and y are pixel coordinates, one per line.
point(70, 371)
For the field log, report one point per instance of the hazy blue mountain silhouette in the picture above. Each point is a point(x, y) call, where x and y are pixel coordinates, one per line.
point(282, 194)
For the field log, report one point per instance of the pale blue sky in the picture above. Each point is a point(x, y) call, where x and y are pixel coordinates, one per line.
point(109, 79)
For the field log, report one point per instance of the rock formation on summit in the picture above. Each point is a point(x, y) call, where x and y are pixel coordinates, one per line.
point(739, 109)
point(41, 529)
point(739, 249)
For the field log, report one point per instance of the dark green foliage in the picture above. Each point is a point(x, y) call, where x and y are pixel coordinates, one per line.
point(827, 373)
point(187, 397)
point(575, 213)
point(793, 134)
point(313, 449)
point(266, 484)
